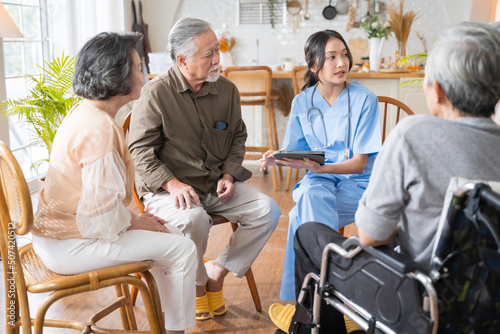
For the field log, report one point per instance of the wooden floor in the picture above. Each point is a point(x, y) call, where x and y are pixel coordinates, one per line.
point(241, 316)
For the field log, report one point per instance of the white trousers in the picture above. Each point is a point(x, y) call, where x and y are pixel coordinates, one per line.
point(256, 213)
point(173, 255)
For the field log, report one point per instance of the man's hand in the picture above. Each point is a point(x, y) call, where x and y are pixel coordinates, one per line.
point(148, 222)
point(225, 188)
point(182, 194)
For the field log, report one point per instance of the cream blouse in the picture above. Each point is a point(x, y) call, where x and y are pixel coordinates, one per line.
point(90, 179)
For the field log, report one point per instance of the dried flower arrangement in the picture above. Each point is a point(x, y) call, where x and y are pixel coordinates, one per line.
point(401, 24)
point(284, 92)
point(226, 44)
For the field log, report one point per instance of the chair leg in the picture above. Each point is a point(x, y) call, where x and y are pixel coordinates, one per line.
point(253, 290)
point(133, 294)
point(271, 145)
point(251, 281)
point(123, 311)
point(288, 178)
point(129, 308)
point(276, 144)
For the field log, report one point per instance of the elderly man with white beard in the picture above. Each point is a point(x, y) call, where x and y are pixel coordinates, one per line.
point(187, 139)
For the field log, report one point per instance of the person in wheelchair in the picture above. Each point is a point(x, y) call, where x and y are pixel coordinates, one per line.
point(404, 198)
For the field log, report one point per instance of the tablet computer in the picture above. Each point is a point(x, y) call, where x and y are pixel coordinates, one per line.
point(318, 156)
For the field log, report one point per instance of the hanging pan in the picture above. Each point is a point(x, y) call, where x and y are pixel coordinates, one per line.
point(329, 12)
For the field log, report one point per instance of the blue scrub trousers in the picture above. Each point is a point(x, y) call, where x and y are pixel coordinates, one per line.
point(328, 199)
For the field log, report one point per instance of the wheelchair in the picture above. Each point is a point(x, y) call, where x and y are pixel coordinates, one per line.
point(383, 292)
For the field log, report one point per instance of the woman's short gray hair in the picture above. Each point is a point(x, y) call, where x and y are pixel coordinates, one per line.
point(104, 65)
point(180, 40)
point(466, 64)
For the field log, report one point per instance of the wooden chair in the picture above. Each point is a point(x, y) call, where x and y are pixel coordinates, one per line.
point(24, 271)
point(216, 220)
point(389, 105)
point(298, 73)
point(254, 85)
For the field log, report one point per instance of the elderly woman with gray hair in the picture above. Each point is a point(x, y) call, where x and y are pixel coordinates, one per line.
point(82, 222)
point(412, 172)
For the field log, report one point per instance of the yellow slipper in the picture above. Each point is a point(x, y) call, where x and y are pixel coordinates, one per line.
point(202, 307)
point(216, 301)
point(281, 315)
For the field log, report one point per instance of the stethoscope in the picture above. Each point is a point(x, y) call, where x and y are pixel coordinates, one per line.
point(347, 153)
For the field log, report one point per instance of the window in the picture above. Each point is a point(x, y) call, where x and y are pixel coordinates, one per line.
point(261, 12)
point(21, 59)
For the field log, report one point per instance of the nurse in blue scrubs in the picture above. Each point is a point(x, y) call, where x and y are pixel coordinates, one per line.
point(340, 118)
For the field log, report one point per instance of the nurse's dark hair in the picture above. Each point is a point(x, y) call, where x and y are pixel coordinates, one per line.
point(104, 65)
point(315, 54)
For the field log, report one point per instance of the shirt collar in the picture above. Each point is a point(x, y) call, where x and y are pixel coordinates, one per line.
point(183, 86)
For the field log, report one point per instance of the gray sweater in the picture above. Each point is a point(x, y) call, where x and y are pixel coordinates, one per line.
point(412, 172)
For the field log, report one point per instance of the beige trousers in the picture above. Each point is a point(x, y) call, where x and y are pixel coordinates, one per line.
point(256, 213)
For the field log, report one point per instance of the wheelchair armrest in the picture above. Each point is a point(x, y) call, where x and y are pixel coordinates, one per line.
point(385, 254)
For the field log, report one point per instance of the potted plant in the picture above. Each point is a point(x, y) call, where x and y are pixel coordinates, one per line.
point(419, 57)
point(47, 103)
point(376, 32)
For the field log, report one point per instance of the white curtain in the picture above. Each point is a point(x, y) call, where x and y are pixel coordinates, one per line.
point(72, 22)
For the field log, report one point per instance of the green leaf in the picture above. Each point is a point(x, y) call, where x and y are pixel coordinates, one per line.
point(48, 101)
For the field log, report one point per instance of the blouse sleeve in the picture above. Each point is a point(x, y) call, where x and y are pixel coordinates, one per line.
point(101, 212)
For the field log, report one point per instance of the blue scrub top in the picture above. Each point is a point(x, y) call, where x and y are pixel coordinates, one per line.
point(364, 137)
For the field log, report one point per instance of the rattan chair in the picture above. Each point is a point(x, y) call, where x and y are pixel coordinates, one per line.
point(216, 220)
point(254, 85)
point(24, 271)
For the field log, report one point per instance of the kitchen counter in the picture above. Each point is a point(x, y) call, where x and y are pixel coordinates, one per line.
point(352, 75)
point(386, 75)
point(362, 75)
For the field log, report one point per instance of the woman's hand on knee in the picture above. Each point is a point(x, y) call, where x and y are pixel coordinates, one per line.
point(148, 222)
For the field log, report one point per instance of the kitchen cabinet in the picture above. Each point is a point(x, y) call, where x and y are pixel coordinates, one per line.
point(388, 84)
point(381, 84)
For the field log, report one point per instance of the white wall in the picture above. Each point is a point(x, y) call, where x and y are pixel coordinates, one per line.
point(283, 41)
point(159, 15)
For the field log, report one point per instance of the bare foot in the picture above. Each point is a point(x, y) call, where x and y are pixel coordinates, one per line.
point(216, 274)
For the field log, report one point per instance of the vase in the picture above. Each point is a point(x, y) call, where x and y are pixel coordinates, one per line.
point(376, 44)
point(402, 49)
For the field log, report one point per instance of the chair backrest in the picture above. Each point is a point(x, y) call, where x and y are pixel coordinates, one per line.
point(298, 73)
point(125, 126)
point(253, 82)
point(466, 263)
point(16, 218)
point(391, 105)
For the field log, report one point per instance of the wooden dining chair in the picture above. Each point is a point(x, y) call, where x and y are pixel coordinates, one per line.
point(392, 113)
point(254, 84)
point(298, 74)
point(24, 271)
point(216, 220)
